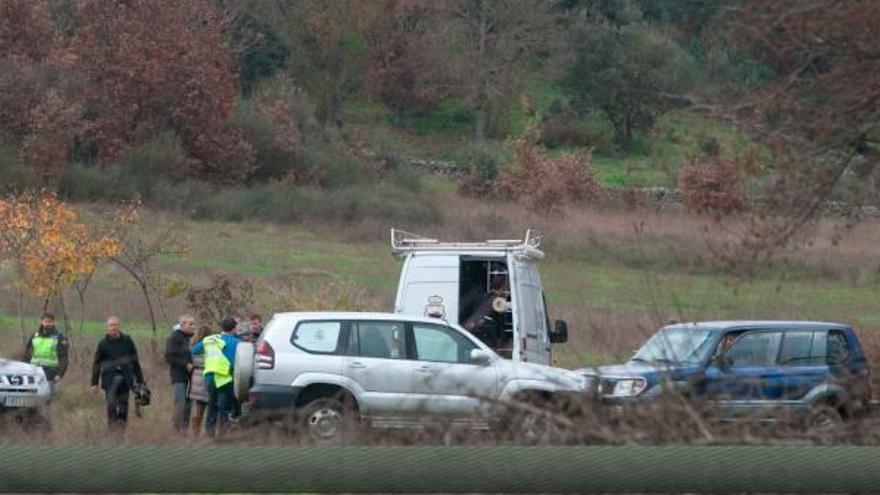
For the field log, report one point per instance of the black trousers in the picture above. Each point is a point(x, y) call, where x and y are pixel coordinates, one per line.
point(116, 396)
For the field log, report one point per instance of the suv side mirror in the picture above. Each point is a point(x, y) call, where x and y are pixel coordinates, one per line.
point(480, 357)
point(560, 332)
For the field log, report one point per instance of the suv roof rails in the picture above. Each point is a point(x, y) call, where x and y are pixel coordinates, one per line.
point(403, 242)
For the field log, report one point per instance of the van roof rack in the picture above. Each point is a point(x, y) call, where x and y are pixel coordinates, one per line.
point(403, 242)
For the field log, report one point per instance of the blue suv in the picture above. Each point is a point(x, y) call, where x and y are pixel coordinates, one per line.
point(765, 370)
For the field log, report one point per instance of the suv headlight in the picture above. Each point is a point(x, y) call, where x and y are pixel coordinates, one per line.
point(41, 377)
point(629, 387)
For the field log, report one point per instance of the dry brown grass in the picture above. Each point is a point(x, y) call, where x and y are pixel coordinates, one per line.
point(78, 419)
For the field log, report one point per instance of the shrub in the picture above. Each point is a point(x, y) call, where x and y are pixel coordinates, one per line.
point(563, 130)
point(220, 299)
point(141, 172)
point(14, 175)
point(479, 180)
point(713, 186)
point(81, 182)
point(543, 182)
point(290, 145)
point(140, 169)
point(279, 202)
point(279, 120)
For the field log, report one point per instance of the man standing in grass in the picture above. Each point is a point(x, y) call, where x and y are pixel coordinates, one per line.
point(180, 363)
point(219, 351)
point(48, 349)
point(116, 364)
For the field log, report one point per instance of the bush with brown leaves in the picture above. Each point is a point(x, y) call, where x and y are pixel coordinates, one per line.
point(713, 186)
point(543, 182)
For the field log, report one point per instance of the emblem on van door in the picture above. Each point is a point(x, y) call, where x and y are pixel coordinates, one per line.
point(435, 307)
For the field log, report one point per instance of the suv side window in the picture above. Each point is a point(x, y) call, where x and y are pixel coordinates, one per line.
point(317, 337)
point(379, 339)
point(838, 348)
point(440, 344)
point(797, 349)
point(754, 349)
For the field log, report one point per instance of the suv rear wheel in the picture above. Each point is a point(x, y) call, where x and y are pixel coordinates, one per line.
point(327, 420)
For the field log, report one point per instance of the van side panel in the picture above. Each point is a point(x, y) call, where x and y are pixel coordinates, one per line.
point(530, 320)
point(429, 286)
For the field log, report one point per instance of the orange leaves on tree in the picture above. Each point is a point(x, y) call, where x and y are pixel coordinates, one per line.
point(49, 244)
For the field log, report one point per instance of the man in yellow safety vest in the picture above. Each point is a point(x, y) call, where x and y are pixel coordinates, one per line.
point(219, 351)
point(47, 348)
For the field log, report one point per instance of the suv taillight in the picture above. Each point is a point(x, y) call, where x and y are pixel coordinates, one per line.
point(265, 356)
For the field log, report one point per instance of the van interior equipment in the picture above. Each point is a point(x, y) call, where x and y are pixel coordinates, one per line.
point(490, 288)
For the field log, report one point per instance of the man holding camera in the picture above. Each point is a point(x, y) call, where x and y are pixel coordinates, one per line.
point(116, 364)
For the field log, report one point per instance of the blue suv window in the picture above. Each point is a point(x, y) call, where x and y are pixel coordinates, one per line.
point(838, 347)
point(754, 349)
point(797, 349)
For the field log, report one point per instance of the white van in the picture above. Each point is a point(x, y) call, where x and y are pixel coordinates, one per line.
point(491, 288)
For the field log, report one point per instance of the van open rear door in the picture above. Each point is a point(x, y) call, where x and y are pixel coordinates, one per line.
point(529, 314)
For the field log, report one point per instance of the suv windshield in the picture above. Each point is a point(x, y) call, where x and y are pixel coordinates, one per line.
point(675, 345)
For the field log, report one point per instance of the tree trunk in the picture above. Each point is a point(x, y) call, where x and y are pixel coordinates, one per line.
point(21, 313)
point(482, 71)
point(146, 290)
point(63, 308)
point(81, 296)
point(70, 342)
point(622, 130)
point(142, 283)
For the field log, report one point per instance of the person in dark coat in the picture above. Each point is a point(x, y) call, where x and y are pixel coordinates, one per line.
point(116, 364)
point(180, 364)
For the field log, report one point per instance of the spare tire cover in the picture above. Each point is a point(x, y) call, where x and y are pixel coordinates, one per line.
point(244, 369)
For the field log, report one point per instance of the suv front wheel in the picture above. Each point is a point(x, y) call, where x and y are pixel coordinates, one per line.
point(824, 418)
point(327, 420)
point(529, 420)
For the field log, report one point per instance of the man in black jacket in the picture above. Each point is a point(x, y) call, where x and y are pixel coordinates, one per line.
point(116, 364)
point(179, 359)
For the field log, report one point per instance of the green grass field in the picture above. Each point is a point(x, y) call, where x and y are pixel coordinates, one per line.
point(613, 293)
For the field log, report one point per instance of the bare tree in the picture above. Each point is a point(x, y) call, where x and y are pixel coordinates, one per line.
point(142, 246)
point(489, 43)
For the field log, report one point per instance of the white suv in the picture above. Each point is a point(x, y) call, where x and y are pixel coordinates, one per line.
point(24, 389)
point(335, 369)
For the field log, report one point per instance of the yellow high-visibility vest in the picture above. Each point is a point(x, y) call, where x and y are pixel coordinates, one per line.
point(215, 361)
point(45, 350)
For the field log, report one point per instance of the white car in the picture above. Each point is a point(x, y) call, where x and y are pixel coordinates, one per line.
point(337, 369)
point(24, 389)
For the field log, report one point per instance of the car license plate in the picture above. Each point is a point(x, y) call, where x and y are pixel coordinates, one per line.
point(16, 402)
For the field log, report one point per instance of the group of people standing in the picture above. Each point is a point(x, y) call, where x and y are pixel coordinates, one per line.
point(201, 364)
